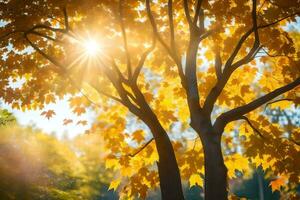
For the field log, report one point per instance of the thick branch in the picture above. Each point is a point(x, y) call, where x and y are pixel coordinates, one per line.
point(218, 64)
point(171, 25)
point(229, 67)
point(46, 36)
point(129, 68)
point(187, 12)
point(66, 19)
point(60, 68)
point(198, 10)
point(236, 113)
point(169, 50)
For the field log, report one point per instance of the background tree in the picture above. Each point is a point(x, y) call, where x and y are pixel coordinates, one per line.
point(207, 57)
point(35, 165)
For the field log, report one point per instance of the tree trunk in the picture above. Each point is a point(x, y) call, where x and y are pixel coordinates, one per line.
point(170, 181)
point(169, 175)
point(215, 183)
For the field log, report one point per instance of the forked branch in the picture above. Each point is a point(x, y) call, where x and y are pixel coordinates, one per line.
point(236, 113)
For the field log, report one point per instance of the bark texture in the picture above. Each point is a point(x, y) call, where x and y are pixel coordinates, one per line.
point(169, 175)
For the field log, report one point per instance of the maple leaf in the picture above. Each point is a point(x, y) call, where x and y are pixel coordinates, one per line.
point(50, 98)
point(278, 183)
point(79, 110)
point(75, 101)
point(114, 185)
point(82, 122)
point(138, 136)
point(16, 105)
point(67, 121)
point(48, 114)
point(195, 179)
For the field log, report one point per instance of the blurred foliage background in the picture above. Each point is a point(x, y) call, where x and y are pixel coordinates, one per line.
point(34, 165)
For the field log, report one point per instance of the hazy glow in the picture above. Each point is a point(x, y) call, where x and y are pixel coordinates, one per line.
point(91, 47)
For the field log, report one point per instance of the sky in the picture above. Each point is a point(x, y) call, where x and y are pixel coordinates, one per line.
point(54, 125)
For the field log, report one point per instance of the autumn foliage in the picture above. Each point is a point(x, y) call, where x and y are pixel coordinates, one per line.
point(181, 88)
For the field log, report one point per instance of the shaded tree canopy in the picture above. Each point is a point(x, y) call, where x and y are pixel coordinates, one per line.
point(165, 73)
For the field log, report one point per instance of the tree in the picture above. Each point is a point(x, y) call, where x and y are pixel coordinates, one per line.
point(221, 62)
point(6, 117)
point(35, 165)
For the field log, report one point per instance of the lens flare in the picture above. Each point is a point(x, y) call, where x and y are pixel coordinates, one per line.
point(92, 48)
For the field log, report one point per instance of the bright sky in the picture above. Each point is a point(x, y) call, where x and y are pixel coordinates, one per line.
point(54, 124)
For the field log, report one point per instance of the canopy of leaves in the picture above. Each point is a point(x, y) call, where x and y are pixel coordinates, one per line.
point(42, 51)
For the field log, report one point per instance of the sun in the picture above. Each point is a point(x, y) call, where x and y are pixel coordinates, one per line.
point(92, 47)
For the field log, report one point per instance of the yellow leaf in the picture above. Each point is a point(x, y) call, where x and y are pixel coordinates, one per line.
point(195, 179)
point(111, 163)
point(114, 185)
point(281, 104)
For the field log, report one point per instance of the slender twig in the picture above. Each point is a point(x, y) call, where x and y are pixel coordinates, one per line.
point(164, 44)
point(218, 64)
point(143, 59)
point(278, 100)
point(141, 148)
point(252, 126)
point(277, 55)
point(277, 21)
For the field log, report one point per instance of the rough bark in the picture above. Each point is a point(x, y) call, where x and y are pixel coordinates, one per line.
point(215, 171)
point(215, 176)
point(169, 175)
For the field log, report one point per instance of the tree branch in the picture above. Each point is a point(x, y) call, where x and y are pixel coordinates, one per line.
point(66, 19)
point(218, 64)
point(277, 21)
point(253, 127)
point(278, 55)
point(143, 59)
point(141, 148)
point(129, 68)
point(45, 36)
point(162, 42)
point(187, 12)
point(278, 100)
point(171, 25)
point(229, 67)
point(198, 10)
point(236, 113)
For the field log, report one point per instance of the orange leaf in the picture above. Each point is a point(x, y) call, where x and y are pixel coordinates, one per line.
point(276, 184)
point(67, 121)
point(82, 122)
point(79, 110)
point(48, 114)
point(138, 136)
